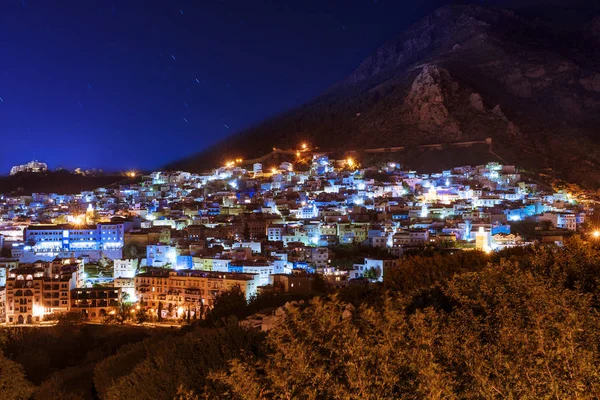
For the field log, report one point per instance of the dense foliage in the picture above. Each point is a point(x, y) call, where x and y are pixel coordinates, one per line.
point(60, 359)
point(420, 271)
point(522, 323)
point(13, 384)
point(157, 369)
point(509, 334)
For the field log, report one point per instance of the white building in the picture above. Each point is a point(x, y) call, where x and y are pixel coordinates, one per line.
point(127, 285)
point(561, 220)
point(482, 239)
point(221, 264)
point(275, 233)
point(125, 268)
point(32, 166)
point(262, 270)
point(161, 256)
point(378, 266)
point(255, 247)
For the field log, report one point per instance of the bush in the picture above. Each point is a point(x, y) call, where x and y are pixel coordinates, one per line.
point(229, 303)
point(162, 369)
point(421, 271)
point(509, 334)
point(13, 384)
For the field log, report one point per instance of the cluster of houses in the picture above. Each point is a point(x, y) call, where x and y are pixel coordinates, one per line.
point(173, 241)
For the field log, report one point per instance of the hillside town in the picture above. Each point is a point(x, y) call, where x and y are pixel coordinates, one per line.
point(171, 242)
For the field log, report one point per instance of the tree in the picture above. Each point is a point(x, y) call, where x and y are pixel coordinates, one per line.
point(229, 303)
point(141, 315)
point(510, 333)
point(160, 369)
point(123, 312)
point(70, 318)
point(420, 271)
point(159, 311)
point(125, 298)
point(318, 284)
point(202, 310)
point(131, 251)
point(13, 384)
point(371, 274)
point(184, 394)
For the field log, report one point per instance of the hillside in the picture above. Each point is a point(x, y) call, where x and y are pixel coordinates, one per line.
point(462, 73)
point(54, 182)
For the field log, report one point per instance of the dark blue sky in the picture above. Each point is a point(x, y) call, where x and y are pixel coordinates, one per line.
point(139, 83)
point(95, 83)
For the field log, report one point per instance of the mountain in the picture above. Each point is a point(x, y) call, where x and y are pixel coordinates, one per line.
point(462, 73)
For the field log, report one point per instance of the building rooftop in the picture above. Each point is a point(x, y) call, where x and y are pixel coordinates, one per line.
point(165, 273)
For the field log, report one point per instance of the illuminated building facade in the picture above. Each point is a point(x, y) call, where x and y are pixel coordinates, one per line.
point(32, 166)
point(46, 242)
point(410, 238)
point(11, 232)
point(24, 295)
point(6, 264)
point(178, 291)
point(161, 256)
point(33, 291)
point(125, 268)
point(482, 239)
point(103, 236)
point(94, 303)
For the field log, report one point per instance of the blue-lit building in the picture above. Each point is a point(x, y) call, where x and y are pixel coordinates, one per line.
point(304, 266)
point(320, 164)
point(161, 256)
point(525, 211)
point(103, 236)
point(184, 262)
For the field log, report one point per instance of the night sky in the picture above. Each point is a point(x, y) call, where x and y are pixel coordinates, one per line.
point(137, 84)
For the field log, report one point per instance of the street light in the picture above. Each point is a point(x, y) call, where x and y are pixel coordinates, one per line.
point(596, 234)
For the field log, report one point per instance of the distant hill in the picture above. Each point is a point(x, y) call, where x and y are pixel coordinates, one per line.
point(462, 73)
point(54, 182)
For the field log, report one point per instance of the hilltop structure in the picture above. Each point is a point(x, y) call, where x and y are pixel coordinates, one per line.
point(32, 166)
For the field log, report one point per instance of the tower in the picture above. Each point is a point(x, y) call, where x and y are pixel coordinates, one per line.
point(90, 215)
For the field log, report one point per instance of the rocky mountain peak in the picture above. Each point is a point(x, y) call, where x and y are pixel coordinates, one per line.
point(447, 29)
point(463, 73)
point(425, 104)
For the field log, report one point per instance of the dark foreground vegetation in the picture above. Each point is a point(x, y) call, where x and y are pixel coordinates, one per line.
point(519, 324)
